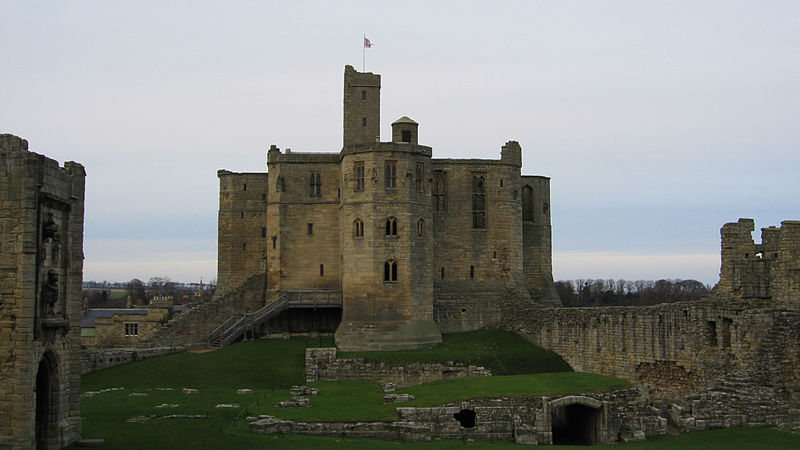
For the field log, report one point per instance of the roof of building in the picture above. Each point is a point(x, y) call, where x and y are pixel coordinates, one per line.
point(88, 317)
point(404, 119)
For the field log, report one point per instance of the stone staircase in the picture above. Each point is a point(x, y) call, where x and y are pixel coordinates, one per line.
point(192, 328)
point(240, 324)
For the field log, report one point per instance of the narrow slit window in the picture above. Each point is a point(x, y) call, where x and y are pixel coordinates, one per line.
point(439, 194)
point(478, 201)
point(358, 173)
point(472, 271)
point(364, 122)
point(421, 228)
point(358, 228)
point(391, 175)
point(322, 270)
point(310, 228)
point(390, 270)
point(420, 178)
point(316, 184)
point(391, 226)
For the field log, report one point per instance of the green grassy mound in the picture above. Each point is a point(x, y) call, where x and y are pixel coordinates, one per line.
point(503, 352)
point(152, 388)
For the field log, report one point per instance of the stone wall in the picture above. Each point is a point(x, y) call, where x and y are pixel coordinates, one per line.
point(621, 415)
point(676, 348)
point(323, 365)
point(770, 269)
point(97, 359)
point(41, 268)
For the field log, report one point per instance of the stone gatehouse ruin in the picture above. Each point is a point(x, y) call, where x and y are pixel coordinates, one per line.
point(41, 268)
point(410, 244)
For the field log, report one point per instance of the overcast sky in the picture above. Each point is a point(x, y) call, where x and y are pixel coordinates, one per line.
point(657, 121)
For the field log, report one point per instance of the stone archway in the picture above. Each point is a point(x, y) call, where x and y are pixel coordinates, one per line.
point(575, 420)
point(47, 402)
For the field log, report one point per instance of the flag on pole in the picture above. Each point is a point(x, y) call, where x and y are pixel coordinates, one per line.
point(367, 43)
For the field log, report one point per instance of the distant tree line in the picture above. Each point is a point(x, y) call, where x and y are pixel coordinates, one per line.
point(589, 292)
point(141, 293)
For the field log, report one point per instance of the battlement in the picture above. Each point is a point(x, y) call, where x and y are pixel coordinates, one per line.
point(767, 270)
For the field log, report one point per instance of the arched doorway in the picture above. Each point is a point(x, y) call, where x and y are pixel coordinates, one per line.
point(575, 422)
point(47, 401)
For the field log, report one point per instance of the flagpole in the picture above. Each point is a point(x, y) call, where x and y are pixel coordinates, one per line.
point(363, 53)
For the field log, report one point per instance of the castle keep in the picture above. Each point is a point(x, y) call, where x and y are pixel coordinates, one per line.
point(41, 266)
point(411, 244)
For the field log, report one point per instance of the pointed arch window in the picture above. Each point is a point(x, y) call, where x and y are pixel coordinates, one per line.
point(421, 228)
point(358, 228)
point(391, 226)
point(390, 270)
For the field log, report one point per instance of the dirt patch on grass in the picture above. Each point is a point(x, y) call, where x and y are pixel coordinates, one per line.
point(203, 350)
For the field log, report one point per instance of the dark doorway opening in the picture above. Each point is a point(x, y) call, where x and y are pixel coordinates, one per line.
point(47, 402)
point(466, 417)
point(575, 424)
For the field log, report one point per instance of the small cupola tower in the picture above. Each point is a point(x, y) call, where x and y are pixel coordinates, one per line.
point(404, 130)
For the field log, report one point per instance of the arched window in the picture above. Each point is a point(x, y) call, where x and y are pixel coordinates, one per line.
point(390, 270)
point(358, 228)
point(421, 227)
point(391, 226)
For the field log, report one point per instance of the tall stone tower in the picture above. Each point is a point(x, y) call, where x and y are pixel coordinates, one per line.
point(41, 267)
point(362, 107)
point(386, 224)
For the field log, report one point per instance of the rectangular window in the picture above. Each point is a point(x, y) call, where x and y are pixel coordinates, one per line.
point(391, 175)
point(358, 173)
point(405, 136)
point(131, 329)
point(363, 95)
point(439, 193)
point(316, 184)
point(310, 228)
point(321, 270)
point(478, 200)
point(420, 180)
point(364, 122)
point(263, 232)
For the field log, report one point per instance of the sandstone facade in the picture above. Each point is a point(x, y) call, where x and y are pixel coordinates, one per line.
point(389, 226)
point(41, 267)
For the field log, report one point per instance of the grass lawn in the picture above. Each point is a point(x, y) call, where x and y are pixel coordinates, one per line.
point(269, 367)
point(503, 352)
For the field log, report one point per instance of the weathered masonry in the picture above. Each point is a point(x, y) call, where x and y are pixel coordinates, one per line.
point(412, 243)
point(41, 267)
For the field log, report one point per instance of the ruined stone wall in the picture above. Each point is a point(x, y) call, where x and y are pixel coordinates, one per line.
point(110, 332)
point(242, 224)
point(676, 348)
point(41, 267)
point(770, 269)
point(97, 359)
point(323, 365)
point(618, 416)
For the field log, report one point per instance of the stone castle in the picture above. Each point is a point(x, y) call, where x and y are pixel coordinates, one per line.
point(41, 270)
point(412, 244)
